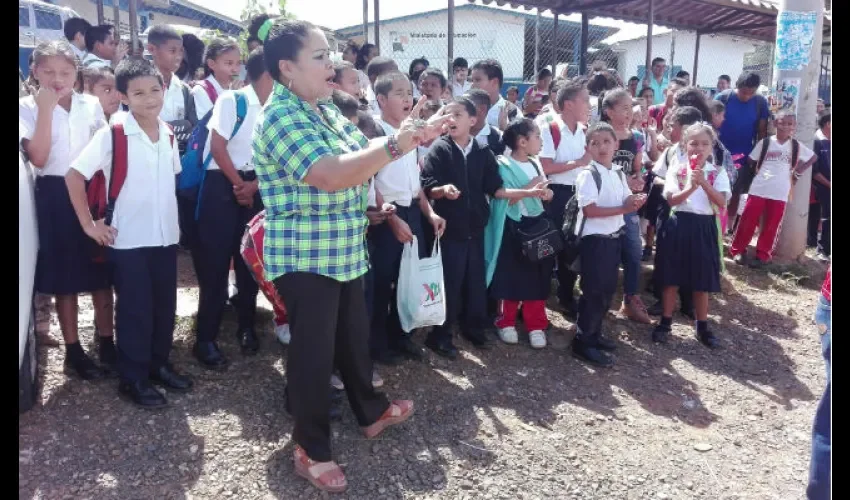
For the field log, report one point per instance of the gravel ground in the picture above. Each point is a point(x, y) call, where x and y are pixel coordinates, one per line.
point(676, 421)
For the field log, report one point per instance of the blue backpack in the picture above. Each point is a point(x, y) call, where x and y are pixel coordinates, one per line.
point(195, 161)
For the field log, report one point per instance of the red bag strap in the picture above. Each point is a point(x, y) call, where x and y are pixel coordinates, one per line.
point(556, 134)
point(211, 92)
point(119, 169)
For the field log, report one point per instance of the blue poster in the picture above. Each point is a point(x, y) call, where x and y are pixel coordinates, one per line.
point(795, 34)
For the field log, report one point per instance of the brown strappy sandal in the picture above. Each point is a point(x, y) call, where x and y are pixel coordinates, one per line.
point(399, 411)
point(323, 475)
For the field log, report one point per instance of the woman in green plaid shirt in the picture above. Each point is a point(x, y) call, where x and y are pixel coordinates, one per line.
point(313, 167)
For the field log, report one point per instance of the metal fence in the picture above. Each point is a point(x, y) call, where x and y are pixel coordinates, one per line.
point(523, 41)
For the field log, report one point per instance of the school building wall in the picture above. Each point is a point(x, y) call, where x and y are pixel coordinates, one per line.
point(478, 35)
point(718, 55)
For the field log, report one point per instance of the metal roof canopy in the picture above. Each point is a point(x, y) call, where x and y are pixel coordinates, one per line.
point(746, 18)
point(754, 19)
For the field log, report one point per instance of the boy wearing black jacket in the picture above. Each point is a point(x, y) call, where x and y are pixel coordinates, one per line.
point(483, 133)
point(458, 174)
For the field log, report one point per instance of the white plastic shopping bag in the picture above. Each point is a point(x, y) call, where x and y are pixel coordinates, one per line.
point(420, 294)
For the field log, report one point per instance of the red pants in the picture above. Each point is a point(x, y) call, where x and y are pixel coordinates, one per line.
point(774, 211)
point(533, 314)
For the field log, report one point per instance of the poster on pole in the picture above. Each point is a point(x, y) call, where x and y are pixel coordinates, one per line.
point(787, 95)
point(795, 34)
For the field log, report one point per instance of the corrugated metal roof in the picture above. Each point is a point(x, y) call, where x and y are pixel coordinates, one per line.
point(745, 18)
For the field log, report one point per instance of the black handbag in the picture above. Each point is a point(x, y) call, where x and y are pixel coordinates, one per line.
point(540, 240)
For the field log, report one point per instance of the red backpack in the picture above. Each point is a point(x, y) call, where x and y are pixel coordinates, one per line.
point(101, 198)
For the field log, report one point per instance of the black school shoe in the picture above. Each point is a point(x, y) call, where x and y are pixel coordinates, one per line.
point(708, 339)
point(757, 263)
point(478, 338)
point(444, 348)
point(410, 349)
point(591, 355)
point(661, 334)
point(209, 356)
point(143, 394)
point(167, 377)
point(605, 344)
point(84, 368)
point(248, 341)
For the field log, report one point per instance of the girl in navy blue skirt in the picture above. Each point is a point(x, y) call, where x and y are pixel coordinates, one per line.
point(513, 279)
point(696, 190)
point(56, 124)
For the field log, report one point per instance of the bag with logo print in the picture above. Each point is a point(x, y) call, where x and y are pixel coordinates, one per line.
point(420, 296)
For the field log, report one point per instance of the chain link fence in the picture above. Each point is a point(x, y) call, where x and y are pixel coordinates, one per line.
point(523, 41)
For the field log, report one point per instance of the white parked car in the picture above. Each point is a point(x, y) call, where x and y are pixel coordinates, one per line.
point(27, 252)
point(40, 21)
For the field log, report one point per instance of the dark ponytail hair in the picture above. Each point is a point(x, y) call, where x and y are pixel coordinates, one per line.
point(519, 127)
point(285, 40)
point(215, 49)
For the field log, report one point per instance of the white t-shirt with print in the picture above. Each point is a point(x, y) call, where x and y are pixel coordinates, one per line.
point(773, 181)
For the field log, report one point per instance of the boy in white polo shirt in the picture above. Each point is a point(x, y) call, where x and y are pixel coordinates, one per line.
point(397, 183)
point(564, 153)
point(603, 196)
point(228, 201)
point(142, 235)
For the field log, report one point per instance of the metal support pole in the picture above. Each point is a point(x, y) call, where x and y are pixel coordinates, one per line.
point(672, 51)
point(696, 58)
point(585, 28)
point(537, 44)
point(791, 244)
point(649, 24)
point(134, 26)
point(365, 21)
point(99, 5)
point(116, 15)
point(450, 31)
point(377, 25)
point(555, 45)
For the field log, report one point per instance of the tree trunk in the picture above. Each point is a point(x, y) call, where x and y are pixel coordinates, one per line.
point(792, 238)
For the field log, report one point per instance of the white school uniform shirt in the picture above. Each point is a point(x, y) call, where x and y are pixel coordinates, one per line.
point(484, 133)
point(372, 99)
point(661, 166)
point(613, 193)
point(223, 120)
point(80, 53)
point(458, 89)
point(773, 180)
point(71, 130)
point(571, 147)
point(495, 111)
point(146, 210)
point(399, 181)
point(174, 105)
point(363, 80)
point(92, 61)
point(698, 202)
point(203, 104)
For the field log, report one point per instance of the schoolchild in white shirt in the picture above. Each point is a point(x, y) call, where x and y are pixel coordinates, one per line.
point(397, 183)
point(178, 110)
point(100, 83)
point(55, 125)
point(103, 47)
point(563, 155)
point(228, 201)
point(142, 238)
point(768, 195)
point(75, 32)
point(600, 224)
point(222, 63)
point(695, 189)
point(377, 66)
point(460, 73)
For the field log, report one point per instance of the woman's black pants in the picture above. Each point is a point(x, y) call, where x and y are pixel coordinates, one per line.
point(330, 328)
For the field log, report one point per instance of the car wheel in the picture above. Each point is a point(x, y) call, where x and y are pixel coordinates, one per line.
point(28, 374)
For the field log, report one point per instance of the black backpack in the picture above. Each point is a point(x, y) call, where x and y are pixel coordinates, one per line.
point(571, 239)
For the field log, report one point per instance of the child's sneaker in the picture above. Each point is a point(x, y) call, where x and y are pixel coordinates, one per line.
point(282, 333)
point(537, 339)
point(508, 335)
point(647, 254)
point(336, 383)
point(377, 381)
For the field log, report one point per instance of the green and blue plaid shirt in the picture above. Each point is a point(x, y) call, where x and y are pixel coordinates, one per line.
point(307, 229)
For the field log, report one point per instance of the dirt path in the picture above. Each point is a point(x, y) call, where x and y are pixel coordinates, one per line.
point(676, 421)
